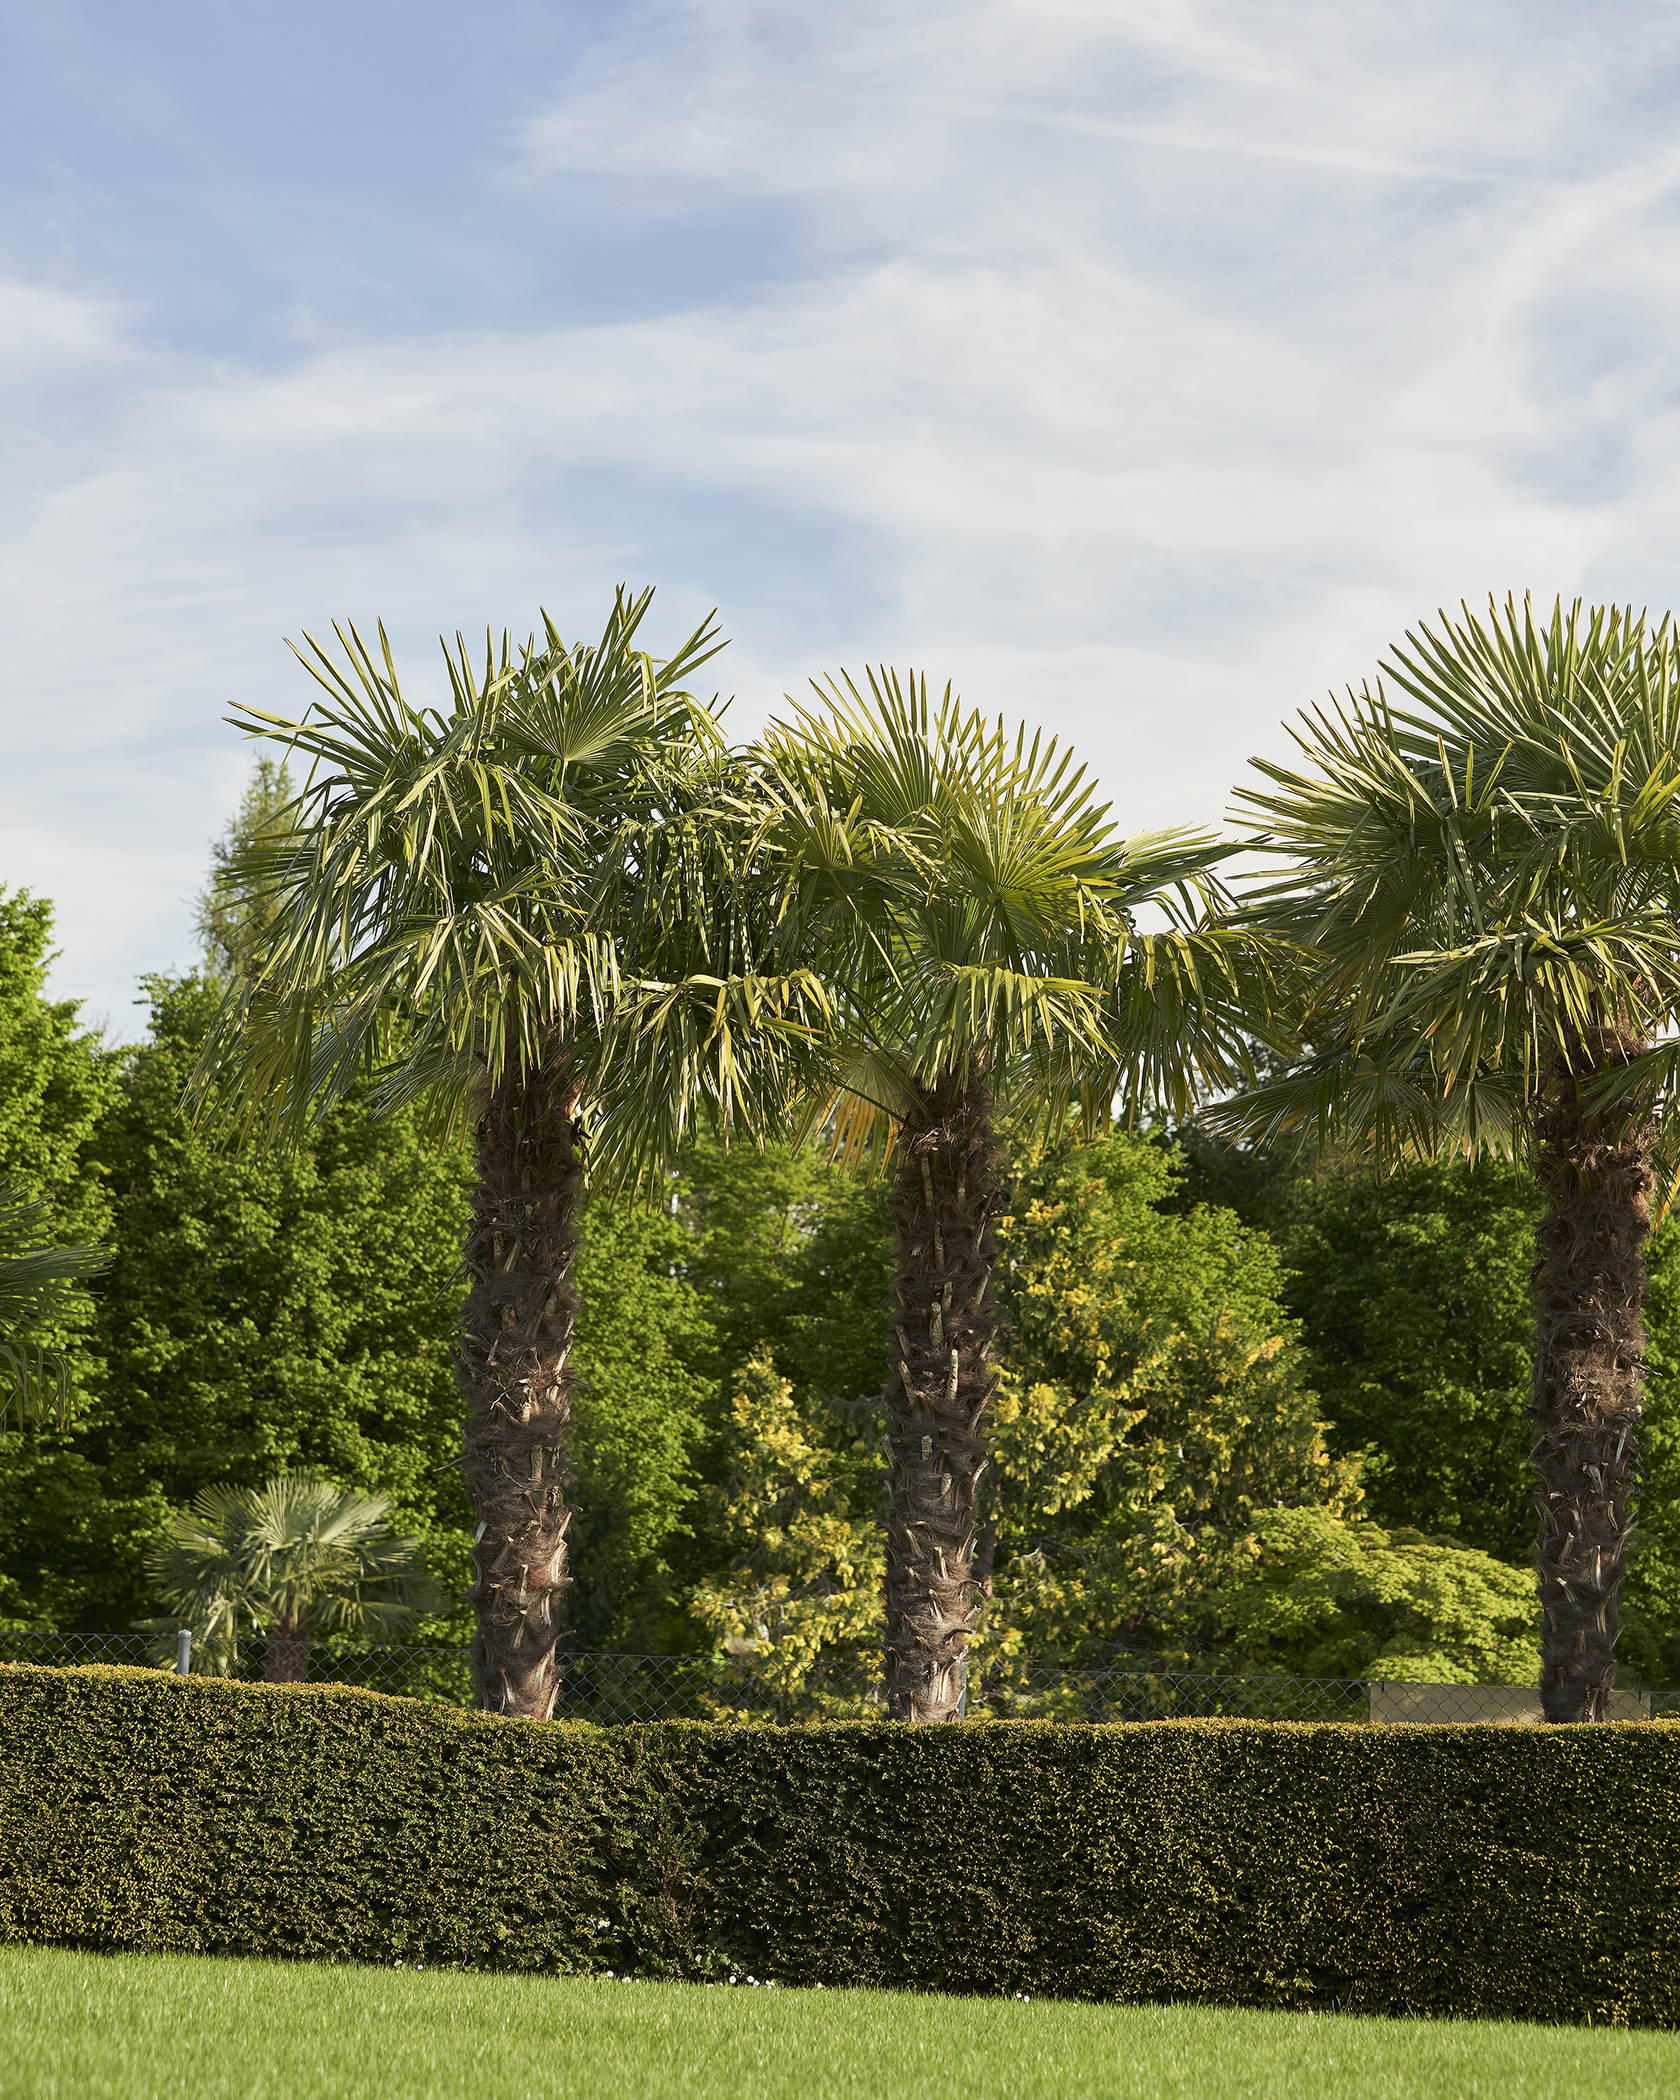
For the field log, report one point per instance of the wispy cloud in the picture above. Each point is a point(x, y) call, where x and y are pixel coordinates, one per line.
point(1144, 368)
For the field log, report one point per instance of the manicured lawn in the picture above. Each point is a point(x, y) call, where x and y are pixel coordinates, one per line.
point(80, 2027)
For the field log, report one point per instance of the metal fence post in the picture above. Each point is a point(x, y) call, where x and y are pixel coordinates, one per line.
point(183, 1652)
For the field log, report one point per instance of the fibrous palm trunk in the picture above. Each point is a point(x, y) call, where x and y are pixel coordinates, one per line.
point(511, 1363)
point(286, 1655)
point(1589, 1298)
point(939, 1385)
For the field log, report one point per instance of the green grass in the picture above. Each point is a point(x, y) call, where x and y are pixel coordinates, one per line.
point(84, 2026)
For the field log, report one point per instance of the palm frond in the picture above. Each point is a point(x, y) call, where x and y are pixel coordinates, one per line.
point(299, 1551)
point(1479, 884)
point(455, 891)
point(38, 1286)
point(966, 898)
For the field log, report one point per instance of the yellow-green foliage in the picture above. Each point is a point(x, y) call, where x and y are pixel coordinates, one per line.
point(1119, 1505)
point(1475, 1872)
point(1339, 1600)
point(1159, 1474)
point(1162, 1475)
point(805, 1585)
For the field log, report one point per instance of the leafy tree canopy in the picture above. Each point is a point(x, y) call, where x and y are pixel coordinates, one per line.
point(643, 1416)
point(1413, 1297)
point(1163, 1479)
point(56, 1078)
point(232, 915)
point(261, 1313)
point(1305, 1592)
point(800, 1594)
point(56, 1081)
point(789, 1256)
point(1152, 1402)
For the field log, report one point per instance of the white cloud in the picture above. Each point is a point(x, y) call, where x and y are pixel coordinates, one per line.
point(1153, 367)
point(45, 333)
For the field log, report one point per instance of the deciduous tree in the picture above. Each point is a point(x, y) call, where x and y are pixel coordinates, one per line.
point(1412, 1289)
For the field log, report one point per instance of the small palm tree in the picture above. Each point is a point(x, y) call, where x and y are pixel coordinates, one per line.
point(1483, 891)
point(37, 1286)
point(293, 1558)
point(973, 917)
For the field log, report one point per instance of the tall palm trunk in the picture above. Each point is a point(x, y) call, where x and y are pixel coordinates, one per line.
point(939, 1384)
point(1589, 1299)
point(286, 1655)
point(511, 1364)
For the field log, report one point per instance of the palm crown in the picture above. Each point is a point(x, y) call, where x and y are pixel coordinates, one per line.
point(1480, 884)
point(297, 1555)
point(429, 902)
point(971, 903)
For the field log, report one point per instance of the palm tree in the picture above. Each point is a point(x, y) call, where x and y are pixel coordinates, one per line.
point(973, 916)
point(518, 914)
point(296, 1557)
point(37, 1286)
point(1483, 891)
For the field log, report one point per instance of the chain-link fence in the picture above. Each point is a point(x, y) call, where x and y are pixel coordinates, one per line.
point(610, 1689)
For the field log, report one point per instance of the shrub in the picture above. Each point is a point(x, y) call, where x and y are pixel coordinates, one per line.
point(1488, 1871)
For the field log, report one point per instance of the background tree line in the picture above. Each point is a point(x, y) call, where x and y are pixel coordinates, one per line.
point(1239, 1395)
point(564, 915)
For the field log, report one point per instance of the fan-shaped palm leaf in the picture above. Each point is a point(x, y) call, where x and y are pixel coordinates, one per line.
point(37, 1287)
point(296, 1557)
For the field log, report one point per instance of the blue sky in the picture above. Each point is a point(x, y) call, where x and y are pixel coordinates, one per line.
point(1145, 368)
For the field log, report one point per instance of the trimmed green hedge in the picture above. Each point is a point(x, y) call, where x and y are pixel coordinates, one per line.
point(1512, 1871)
